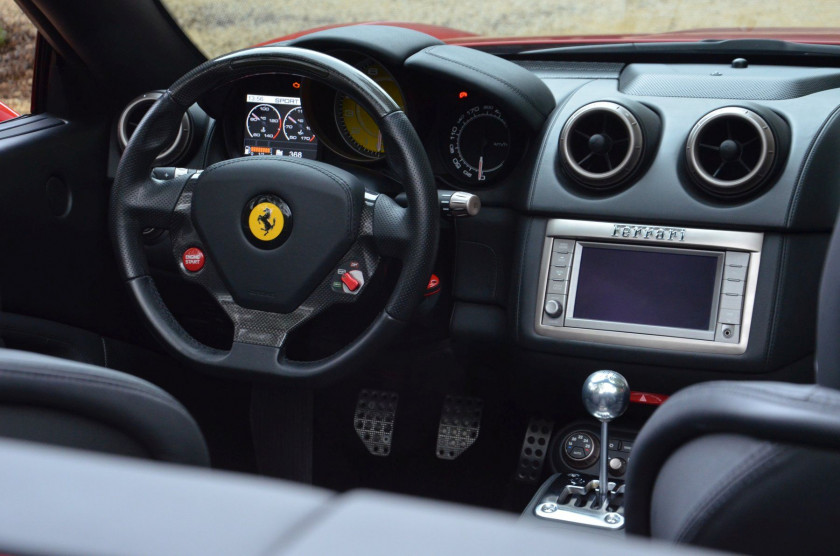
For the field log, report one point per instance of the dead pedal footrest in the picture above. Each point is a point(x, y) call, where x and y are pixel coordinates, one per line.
point(376, 411)
point(460, 422)
point(534, 450)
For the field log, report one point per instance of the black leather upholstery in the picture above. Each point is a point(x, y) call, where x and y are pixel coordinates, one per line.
point(71, 404)
point(718, 454)
point(63, 502)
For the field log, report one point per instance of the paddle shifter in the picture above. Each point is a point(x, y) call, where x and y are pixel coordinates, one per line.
point(605, 396)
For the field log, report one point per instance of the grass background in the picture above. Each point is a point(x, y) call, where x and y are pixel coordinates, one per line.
point(219, 26)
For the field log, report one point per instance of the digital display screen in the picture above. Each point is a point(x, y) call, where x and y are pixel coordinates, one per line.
point(647, 287)
point(277, 126)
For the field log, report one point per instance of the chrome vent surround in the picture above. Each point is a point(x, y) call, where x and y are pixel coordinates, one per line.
point(601, 144)
point(132, 115)
point(730, 151)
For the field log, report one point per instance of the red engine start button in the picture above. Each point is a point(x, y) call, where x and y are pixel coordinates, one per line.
point(193, 259)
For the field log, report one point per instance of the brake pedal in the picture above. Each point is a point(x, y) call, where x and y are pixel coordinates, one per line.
point(460, 422)
point(376, 411)
point(534, 450)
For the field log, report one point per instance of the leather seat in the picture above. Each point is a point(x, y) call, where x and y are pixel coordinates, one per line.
point(65, 403)
point(747, 466)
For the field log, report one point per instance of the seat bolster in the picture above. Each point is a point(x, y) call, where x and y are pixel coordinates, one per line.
point(127, 403)
point(804, 416)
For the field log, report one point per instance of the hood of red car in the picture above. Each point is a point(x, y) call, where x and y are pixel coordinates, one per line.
point(826, 35)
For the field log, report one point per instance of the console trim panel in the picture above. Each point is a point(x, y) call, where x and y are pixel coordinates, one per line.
point(638, 234)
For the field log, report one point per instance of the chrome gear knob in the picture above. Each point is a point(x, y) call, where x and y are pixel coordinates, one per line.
point(606, 395)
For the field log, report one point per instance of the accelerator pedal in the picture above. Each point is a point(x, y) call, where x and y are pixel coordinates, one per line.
point(460, 422)
point(534, 450)
point(376, 411)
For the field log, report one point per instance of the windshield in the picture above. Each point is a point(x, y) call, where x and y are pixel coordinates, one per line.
point(220, 26)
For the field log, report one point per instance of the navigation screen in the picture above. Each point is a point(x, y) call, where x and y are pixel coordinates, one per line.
point(655, 288)
point(277, 126)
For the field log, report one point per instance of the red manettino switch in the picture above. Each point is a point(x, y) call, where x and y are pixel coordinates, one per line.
point(351, 283)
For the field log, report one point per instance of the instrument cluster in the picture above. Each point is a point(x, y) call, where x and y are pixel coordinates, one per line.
point(470, 139)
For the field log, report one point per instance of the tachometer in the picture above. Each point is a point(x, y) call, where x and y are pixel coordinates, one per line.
point(477, 144)
point(357, 127)
point(263, 122)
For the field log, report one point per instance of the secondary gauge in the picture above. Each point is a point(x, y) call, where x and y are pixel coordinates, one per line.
point(357, 127)
point(263, 122)
point(295, 127)
point(477, 144)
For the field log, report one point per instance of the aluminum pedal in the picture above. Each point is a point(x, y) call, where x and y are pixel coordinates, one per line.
point(460, 422)
point(376, 411)
point(534, 450)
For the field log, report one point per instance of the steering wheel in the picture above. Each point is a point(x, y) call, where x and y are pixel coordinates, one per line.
point(281, 239)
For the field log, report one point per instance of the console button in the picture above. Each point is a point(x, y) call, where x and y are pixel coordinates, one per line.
point(614, 444)
point(559, 273)
point(561, 259)
point(733, 287)
point(563, 246)
point(735, 258)
point(557, 286)
point(730, 316)
point(731, 301)
point(627, 445)
point(734, 272)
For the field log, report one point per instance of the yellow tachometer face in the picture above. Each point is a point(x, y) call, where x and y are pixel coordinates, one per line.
point(357, 127)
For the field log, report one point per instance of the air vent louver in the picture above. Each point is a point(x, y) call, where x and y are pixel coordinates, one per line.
point(730, 151)
point(133, 114)
point(601, 144)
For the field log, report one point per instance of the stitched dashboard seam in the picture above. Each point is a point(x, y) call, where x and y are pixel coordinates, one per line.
point(544, 148)
point(806, 165)
point(780, 281)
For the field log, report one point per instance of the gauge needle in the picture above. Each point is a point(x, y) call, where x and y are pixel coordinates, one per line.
point(480, 168)
point(293, 120)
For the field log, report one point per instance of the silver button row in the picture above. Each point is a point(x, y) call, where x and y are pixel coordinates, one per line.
point(735, 269)
point(562, 251)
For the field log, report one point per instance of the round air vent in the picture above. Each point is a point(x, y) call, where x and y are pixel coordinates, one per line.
point(730, 151)
point(601, 144)
point(133, 114)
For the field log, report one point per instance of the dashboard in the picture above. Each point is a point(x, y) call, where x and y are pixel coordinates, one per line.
point(473, 139)
point(642, 214)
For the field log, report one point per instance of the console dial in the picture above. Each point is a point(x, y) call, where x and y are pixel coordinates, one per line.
point(477, 144)
point(263, 122)
point(580, 450)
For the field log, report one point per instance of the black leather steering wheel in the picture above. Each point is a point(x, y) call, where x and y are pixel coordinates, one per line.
point(278, 233)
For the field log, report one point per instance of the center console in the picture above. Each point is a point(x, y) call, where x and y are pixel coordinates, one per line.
point(682, 289)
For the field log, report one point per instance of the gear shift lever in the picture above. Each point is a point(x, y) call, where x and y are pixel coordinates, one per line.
point(605, 396)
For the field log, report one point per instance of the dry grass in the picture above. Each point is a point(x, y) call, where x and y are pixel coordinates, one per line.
point(219, 26)
point(17, 54)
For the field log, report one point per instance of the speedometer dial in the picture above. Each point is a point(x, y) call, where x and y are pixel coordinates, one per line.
point(357, 127)
point(263, 122)
point(478, 144)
